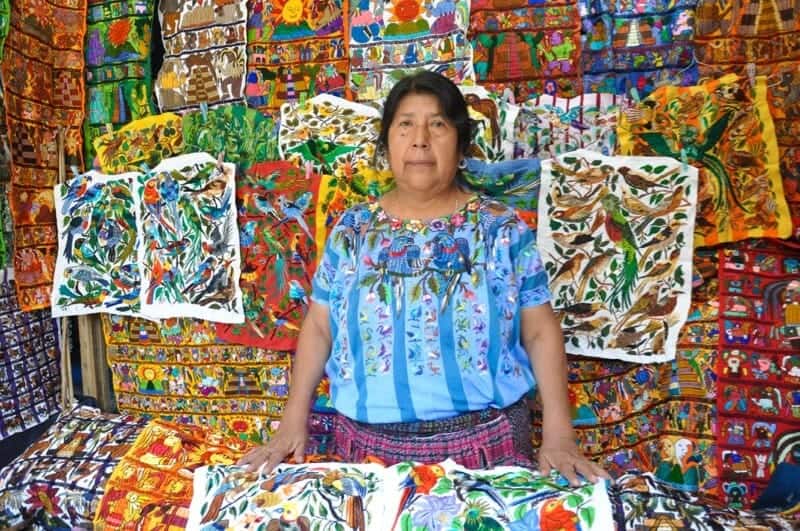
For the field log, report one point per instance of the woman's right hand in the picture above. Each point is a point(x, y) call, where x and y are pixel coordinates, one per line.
point(290, 438)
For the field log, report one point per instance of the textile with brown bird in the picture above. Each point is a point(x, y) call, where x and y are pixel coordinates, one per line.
point(488, 108)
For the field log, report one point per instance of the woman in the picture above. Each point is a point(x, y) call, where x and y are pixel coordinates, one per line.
point(431, 315)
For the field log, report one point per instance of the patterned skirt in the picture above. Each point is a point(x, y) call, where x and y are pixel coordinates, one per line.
point(479, 439)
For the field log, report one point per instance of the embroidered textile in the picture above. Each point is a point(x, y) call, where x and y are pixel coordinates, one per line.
point(758, 367)
point(522, 49)
point(190, 257)
point(389, 40)
point(634, 47)
point(176, 370)
point(494, 118)
point(615, 237)
point(277, 202)
point(142, 142)
point(513, 182)
point(204, 53)
point(724, 127)
point(549, 126)
point(151, 486)
point(294, 51)
point(30, 381)
point(42, 71)
point(6, 229)
point(118, 78)
point(58, 481)
point(5, 22)
point(96, 267)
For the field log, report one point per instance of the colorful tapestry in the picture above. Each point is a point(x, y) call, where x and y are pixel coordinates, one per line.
point(724, 127)
point(277, 203)
point(522, 49)
point(146, 141)
point(42, 71)
point(513, 182)
point(58, 481)
point(96, 267)
point(5, 22)
point(633, 47)
point(243, 136)
point(615, 238)
point(758, 367)
point(178, 371)
point(549, 126)
point(295, 50)
point(119, 84)
point(204, 53)
point(189, 259)
point(151, 486)
point(30, 379)
point(643, 502)
point(389, 40)
point(494, 118)
point(6, 229)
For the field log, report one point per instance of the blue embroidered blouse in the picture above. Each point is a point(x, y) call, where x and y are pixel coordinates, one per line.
point(425, 315)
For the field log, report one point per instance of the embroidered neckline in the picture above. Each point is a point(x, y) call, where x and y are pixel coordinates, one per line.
point(457, 218)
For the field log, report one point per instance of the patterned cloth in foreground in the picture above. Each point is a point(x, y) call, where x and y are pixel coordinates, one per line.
point(58, 481)
point(151, 486)
point(615, 238)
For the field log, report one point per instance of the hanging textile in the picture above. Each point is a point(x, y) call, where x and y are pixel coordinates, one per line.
point(146, 141)
point(295, 50)
point(389, 40)
point(614, 235)
point(151, 486)
point(758, 365)
point(204, 53)
point(6, 229)
point(5, 23)
point(633, 47)
point(522, 49)
point(118, 79)
point(189, 259)
point(549, 126)
point(513, 182)
point(277, 203)
point(42, 71)
point(494, 118)
point(96, 267)
point(724, 127)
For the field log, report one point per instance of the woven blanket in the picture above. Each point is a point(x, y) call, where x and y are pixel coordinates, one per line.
point(389, 40)
point(96, 267)
point(204, 53)
point(758, 367)
point(494, 119)
point(614, 235)
point(189, 259)
point(119, 84)
point(42, 70)
point(30, 381)
point(151, 486)
point(142, 142)
point(58, 481)
point(295, 50)
point(277, 203)
point(523, 49)
point(723, 127)
point(633, 47)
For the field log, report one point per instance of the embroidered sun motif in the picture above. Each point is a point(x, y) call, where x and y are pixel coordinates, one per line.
point(292, 12)
point(405, 10)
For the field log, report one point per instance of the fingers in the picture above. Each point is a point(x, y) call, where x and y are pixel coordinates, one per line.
point(300, 453)
point(571, 466)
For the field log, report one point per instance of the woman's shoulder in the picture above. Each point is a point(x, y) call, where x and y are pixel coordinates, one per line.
point(355, 215)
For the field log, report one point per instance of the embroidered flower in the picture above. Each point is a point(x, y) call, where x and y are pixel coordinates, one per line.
point(118, 32)
point(240, 426)
point(555, 516)
point(415, 225)
point(44, 496)
point(438, 225)
point(435, 512)
point(457, 219)
point(395, 224)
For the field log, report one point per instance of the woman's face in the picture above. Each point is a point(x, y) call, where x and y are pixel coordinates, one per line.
point(422, 145)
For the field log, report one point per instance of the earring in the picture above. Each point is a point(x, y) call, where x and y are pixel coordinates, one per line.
point(462, 164)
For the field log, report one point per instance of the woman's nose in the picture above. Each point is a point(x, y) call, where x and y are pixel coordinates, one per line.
point(421, 137)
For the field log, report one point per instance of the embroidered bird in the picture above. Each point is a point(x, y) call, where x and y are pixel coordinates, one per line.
point(77, 225)
point(419, 481)
point(295, 210)
point(639, 181)
point(322, 152)
point(619, 231)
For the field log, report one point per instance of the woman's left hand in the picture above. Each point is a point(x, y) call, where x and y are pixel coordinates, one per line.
point(563, 455)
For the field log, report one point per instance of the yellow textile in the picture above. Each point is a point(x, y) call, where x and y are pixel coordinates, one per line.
point(144, 141)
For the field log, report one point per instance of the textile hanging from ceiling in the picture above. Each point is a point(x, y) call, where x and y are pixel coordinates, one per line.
point(494, 118)
point(633, 47)
point(204, 53)
point(725, 128)
point(758, 367)
point(144, 142)
point(389, 40)
point(30, 381)
point(96, 267)
point(277, 203)
point(119, 84)
point(189, 259)
point(42, 70)
point(522, 49)
point(614, 235)
point(549, 126)
point(152, 485)
point(177, 370)
point(58, 481)
point(295, 50)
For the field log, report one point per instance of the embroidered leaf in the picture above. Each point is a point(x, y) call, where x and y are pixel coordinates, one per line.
point(659, 169)
point(648, 168)
point(368, 280)
point(587, 514)
point(433, 284)
point(383, 293)
point(573, 500)
point(416, 292)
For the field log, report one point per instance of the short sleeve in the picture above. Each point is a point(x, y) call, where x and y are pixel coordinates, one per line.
point(533, 280)
point(325, 275)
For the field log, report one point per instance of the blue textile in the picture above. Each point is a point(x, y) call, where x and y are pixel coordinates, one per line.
point(425, 316)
